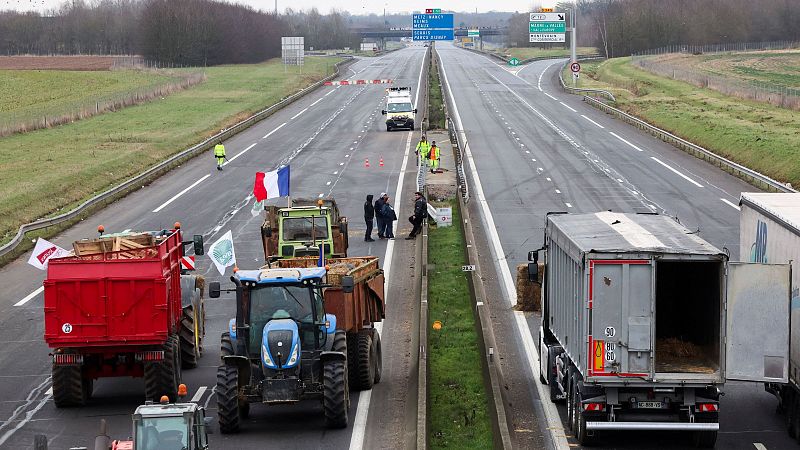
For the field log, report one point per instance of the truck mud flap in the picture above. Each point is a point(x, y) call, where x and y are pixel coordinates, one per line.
point(243, 366)
point(376, 291)
point(332, 356)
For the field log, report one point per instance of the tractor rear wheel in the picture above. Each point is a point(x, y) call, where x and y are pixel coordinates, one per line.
point(377, 356)
point(366, 361)
point(163, 377)
point(69, 388)
point(228, 399)
point(226, 345)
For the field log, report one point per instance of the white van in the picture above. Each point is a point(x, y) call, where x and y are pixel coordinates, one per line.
point(400, 109)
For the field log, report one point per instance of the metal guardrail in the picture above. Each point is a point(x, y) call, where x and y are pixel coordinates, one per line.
point(150, 173)
point(458, 138)
point(578, 91)
point(749, 175)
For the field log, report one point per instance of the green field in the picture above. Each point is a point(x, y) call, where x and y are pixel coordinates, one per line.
point(523, 53)
point(757, 135)
point(458, 403)
point(56, 168)
point(779, 68)
point(28, 94)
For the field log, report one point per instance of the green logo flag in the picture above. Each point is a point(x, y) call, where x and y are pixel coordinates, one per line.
point(222, 253)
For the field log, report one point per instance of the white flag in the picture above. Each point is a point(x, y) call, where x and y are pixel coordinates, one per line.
point(258, 208)
point(222, 253)
point(42, 253)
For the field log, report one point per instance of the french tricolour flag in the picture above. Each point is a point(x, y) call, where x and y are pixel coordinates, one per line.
point(272, 184)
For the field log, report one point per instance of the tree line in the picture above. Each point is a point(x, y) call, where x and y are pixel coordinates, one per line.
point(625, 27)
point(185, 32)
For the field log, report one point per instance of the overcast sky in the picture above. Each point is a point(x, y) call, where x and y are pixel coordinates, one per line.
point(354, 6)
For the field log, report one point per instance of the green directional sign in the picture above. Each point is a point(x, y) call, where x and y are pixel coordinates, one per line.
point(548, 27)
point(513, 62)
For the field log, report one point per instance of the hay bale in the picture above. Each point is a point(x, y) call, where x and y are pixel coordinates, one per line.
point(529, 294)
point(677, 348)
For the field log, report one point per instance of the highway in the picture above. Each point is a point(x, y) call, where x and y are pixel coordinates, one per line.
point(325, 137)
point(533, 149)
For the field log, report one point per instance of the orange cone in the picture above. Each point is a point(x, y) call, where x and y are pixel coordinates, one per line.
point(380, 163)
point(366, 163)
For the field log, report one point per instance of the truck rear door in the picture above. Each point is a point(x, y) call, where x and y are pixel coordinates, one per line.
point(757, 322)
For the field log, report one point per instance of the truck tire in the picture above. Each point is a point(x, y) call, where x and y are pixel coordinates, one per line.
point(571, 424)
point(69, 388)
point(352, 357)
point(366, 361)
point(228, 399)
point(191, 334)
point(335, 385)
point(226, 345)
point(552, 379)
point(163, 378)
point(377, 356)
point(580, 431)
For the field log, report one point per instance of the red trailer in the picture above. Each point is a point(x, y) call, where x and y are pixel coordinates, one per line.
point(121, 307)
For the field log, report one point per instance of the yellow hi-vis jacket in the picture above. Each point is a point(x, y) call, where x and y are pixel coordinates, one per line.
point(219, 151)
point(423, 148)
point(434, 153)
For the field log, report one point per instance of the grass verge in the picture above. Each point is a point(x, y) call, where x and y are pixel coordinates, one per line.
point(523, 53)
point(458, 403)
point(436, 115)
point(55, 169)
point(757, 135)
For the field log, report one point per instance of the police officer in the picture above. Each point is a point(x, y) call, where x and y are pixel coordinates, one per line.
point(219, 154)
point(433, 156)
point(423, 148)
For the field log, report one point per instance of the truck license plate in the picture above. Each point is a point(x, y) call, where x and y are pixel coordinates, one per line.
point(650, 405)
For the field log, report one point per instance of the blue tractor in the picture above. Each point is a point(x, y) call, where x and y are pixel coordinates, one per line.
point(282, 347)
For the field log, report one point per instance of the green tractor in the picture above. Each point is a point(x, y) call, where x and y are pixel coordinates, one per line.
point(300, 230)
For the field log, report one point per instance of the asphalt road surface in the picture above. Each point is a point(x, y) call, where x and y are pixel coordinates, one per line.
point(325, 138)
point(535, 149)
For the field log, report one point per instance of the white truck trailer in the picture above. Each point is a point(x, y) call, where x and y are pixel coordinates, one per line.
point(769, 232)
point(643, 322)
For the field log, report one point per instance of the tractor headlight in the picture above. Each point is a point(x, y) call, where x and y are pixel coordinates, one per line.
point(293, 357)
point(265, 357)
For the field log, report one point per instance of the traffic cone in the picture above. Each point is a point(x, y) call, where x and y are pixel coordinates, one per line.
point(380, 163)
point(366, 162)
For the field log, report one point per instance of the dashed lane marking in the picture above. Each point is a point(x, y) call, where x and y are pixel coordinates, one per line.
point(199, 394)
point(298, 114)
point(590, 120)
point(625, 141)
point(731, 204)
point(676, 171)
point(165, 204)
point(30, 296)
point(550, 96)
point(568, 107)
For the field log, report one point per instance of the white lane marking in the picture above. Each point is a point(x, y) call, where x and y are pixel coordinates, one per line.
point(759, 446)
point(734, 205)
point(164, 205)
point(315, 103)
point(329, 93)
point(298, 114)
point(555, 427)
point(590, 120)
point(29, 400)
point(539, 84)
point(362, 410)
point(327, 184)
point(320, 195)
point(199, 394)
point(568, 107)
point(676, 172)
point(550, 96)
point(239, 154)
point(625, 141)
point(30, 296)
point(569, 205)
point(49, 391)
point(557, 191)
point(548, 179)
point(276, 129)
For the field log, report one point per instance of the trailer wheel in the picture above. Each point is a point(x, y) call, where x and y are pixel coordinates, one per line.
point(377, 356)
point(69, 388)
point(191, 333)
point(228, 410)
point(336, 389)
point(552, 379)
point(163, 378)
point(571, 425)
point(794, 418)
point(366, 361)
point(352, 357)
point(226, 345)
point(580, 431)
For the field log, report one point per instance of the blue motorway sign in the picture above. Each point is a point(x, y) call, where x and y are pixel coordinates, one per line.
point(432, 35)
point(432, 21)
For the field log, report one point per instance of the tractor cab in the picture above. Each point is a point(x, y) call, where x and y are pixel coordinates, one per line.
point(168, 426)
point(302, 229)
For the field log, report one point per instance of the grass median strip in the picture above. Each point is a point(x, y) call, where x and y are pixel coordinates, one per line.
point(53, 170)
point(757, 135)
point(436, 116)
point(457, 400)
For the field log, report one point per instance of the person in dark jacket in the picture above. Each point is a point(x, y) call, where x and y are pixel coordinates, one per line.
point(420, 213)
point(369, 216)
point(389, 216)
point(379, 214)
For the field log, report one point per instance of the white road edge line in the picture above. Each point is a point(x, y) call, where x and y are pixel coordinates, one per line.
point(730, 203)
point(273, 131)
point(164, 205)
point(625, 141)
point(362, 409)
point(554, 425)
point(568, 107)
point(676, 171)
point(30, 296)
point(298, 114)
point(199, 394)
point(590, 120)
point(239, 154)
point(539, 84)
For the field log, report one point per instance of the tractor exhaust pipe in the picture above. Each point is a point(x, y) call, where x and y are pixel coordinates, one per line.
point(102, 441)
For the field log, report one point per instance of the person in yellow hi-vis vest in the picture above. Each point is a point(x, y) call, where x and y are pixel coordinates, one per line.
point(433, 157)
point(423, 148)
point(219, 154)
